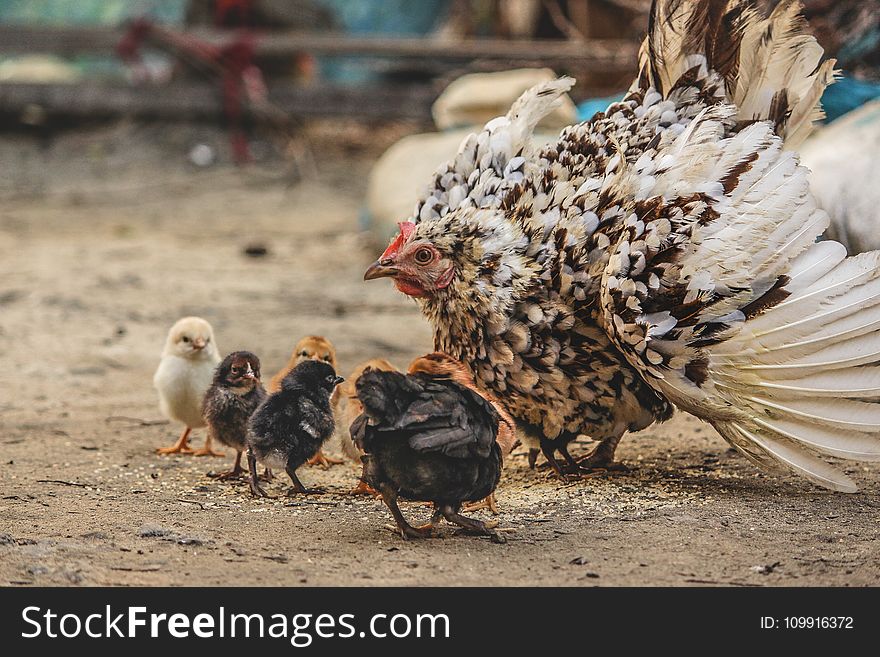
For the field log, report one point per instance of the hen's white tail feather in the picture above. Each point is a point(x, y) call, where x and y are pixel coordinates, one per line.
point(815, 263)
point(853, 383)
point(836, 442)
point(805, 372)
point(801, 462)
point(840, 413)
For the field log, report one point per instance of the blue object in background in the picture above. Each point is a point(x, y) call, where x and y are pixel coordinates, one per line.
point(399, 18)
point(843, 96)
point(587, 109)
point(847, 94)
point(90, 12)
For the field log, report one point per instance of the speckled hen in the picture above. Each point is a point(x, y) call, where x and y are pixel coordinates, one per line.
point(662, 254)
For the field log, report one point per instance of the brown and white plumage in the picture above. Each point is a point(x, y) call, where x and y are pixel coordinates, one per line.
point(661, 254)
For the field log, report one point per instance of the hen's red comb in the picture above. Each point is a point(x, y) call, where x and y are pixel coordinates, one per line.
point(406, 229)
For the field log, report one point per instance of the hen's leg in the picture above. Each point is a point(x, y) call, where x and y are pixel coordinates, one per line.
point(207, 450)
point(180, 447)
point(602, 456)
point(298, 488)
point(256, 489)
point(470, 524)
point(235, 473)
point(533, 457)
point(323, 460)
point(389, 496)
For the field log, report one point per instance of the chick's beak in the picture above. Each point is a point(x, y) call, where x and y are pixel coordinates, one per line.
point(339, 380)
point(198, 343)
point(382, 268)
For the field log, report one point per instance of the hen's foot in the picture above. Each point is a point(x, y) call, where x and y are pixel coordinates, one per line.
point(324, 461)
point(601, 459)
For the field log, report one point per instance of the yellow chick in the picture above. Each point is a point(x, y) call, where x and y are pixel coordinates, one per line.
point(184, 375)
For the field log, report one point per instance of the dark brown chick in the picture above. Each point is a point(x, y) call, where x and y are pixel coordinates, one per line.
point(440, 364)
point(311, 347)
point(230, 401)
point(428, 438)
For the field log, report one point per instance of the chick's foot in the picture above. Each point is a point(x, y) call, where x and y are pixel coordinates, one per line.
point(180, 447)
point(236, 472)
point(324, 461)
point(208, 450)
point(472, 525)
point(486, 503)
point(364, 489)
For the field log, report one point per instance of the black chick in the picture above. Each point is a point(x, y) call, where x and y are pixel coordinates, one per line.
point(230, 401)
point(429, 439)
point(291, 425)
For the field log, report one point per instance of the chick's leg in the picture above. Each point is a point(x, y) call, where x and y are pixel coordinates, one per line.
point(235, 473)
point(180, 447)
point(602, 457)
point(256, 489)
point(485, 503)
point(470, 524)
point(207, 449)
point(324, 461)
point(298, 488)
point(389, 495)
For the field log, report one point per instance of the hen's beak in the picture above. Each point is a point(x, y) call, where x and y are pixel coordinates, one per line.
point(382, 268)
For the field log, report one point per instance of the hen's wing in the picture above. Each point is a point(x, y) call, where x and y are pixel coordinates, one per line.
point(717, 292)
point(435, 415)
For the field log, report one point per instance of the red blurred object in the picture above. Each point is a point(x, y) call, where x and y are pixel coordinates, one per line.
point(232, 64)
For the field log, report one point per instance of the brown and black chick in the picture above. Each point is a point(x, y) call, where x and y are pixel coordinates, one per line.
point(292, 424)
point(428, 438)
point(230, 401)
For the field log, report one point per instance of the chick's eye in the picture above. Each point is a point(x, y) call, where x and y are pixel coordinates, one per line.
point(326, 359)
point(185, 339)
point(424, 256)
point(304, 353)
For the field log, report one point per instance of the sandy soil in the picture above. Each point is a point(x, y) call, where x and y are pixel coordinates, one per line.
point(107, 238)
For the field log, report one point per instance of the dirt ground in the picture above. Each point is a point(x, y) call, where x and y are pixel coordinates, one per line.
point(108, 236)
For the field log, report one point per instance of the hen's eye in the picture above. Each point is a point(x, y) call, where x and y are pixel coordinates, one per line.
point(424, 256)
